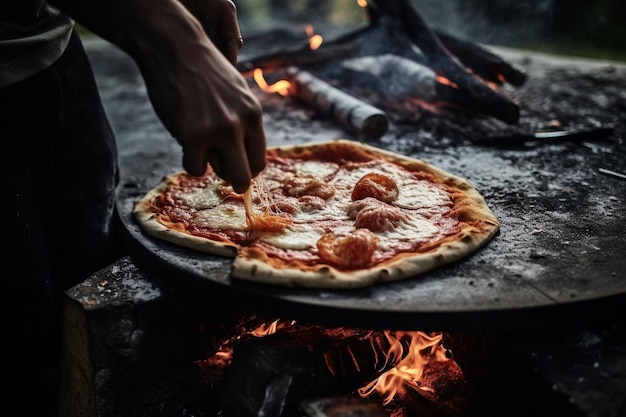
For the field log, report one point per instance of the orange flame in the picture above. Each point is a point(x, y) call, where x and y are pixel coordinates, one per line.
point(315, 41)
point(443, 80)
point(362, 3)
point(281, 87)
point(224, 356)
point(270, 328)
point(408, 366)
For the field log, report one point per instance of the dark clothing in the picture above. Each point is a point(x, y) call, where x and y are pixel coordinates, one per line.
point(59, 173)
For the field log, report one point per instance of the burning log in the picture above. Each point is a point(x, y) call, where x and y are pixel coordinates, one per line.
point(353, 114)
point(271, 375)
point(482, 62)
point(485, 100)
point(396, 27)
point(300, 55)
point(401, 81)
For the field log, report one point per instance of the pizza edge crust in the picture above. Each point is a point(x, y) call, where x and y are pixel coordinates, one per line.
point(478, 226)
point(147, 220)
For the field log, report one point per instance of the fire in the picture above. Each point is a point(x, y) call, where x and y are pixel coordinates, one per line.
point(315, 41)
point(271, 328)
point(281, 87)
point(403, 360)
point(408, 367)
point(443, 80)
point(224, 356)
point(362, 3)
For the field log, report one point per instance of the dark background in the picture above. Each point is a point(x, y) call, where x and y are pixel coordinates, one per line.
point(571, 27)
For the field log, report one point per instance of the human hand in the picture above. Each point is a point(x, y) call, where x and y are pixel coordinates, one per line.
point(219, 20)
point(205, 102)
point(198, 94)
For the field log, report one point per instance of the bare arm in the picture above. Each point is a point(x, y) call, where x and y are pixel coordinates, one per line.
point(196, 91)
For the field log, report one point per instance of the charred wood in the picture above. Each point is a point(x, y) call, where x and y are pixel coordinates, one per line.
point(485, 100)
point(342, 407)
point(401, 82)
point(395, 27)
point(481, 61)
point(278, 371)
point(299, 55)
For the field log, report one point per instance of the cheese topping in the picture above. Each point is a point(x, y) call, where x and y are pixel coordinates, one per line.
point(200, 198)
point(344, 211)
point(416, 198)
point(228, 215)
point(294, 238)
point(318, 169)
point(421, 195)
point(414, 229)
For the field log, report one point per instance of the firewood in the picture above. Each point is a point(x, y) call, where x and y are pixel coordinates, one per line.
point(396, 78)
point(485, 99)
point(350, 112)
point(342, 407)
point(481, 61)
point(299, 55)
point(278, 371)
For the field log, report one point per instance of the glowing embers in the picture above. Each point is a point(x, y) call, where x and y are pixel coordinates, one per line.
point(282, 363)
point(315, 40)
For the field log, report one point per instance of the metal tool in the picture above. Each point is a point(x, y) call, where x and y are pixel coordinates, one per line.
point(598, 133)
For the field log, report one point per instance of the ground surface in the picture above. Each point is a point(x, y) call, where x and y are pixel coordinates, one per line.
point(558, 259)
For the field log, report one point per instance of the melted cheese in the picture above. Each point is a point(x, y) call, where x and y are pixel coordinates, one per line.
point(201, 198)
point(262, 223)
point(318, 169)
point(294, 238)
point(420, 194)
point(305, 228)
point(415, 229)
point(228, 215)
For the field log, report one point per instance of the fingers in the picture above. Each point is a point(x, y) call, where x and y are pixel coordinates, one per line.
point(255, 147)
point(239, 164)
point(194, 161)
point(231, 48)
point(229, 33)
point(220, 23)
point(236, 159)
point(227, 22)
point(233, 167)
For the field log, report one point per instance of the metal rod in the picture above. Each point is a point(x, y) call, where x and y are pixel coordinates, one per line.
point(613, 173)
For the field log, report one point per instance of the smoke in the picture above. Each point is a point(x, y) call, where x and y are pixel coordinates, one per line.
point(503, 22)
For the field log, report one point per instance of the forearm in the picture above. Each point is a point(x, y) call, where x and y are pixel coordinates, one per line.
point(196, 91)
point(141, 28)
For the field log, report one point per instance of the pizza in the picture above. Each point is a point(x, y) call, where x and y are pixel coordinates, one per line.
point(335, 214)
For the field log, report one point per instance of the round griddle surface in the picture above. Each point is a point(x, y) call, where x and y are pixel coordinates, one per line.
point(560, 255)
point(479, 292)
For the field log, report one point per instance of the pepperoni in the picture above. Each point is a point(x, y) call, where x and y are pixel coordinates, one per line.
point(288, 205)
point(308, 185)
point(380, 219)
point(379, 186)
point(352, 251)
point(359, 205)
point(310, 203)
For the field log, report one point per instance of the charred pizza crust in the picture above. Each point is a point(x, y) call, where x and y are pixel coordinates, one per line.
point(476, 226)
